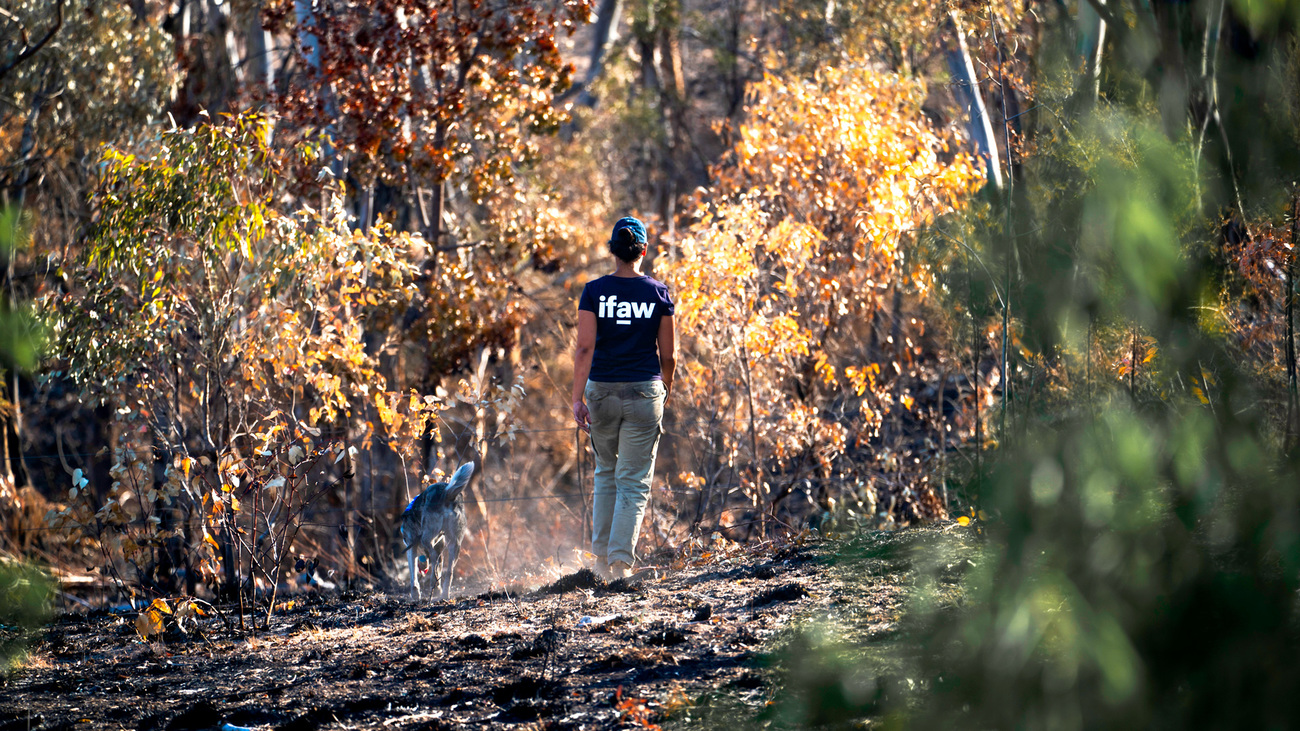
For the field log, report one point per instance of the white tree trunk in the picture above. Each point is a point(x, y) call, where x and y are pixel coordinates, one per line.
point(261, 67)
point(1092, 39)
point(968, 93)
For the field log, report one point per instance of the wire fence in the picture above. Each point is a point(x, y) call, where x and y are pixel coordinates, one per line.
point(581, 495)
point(506, 434)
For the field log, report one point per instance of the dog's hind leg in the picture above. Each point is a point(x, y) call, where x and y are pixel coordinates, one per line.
point(452, 551)
point(415, 575)
point(435, 549)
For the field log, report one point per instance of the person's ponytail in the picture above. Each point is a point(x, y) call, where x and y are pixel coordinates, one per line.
point(628, 239)
point(625, 246)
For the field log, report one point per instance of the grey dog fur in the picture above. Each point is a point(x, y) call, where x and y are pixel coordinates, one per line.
point(434, 523)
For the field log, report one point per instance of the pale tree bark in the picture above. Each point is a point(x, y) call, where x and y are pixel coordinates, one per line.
point(367, 207)
point(247, 44)
point(259, 77)
point(261, 67)
point(604, 33)
point(968, 94)
point(673, 102)
point(480, 445)
point(1006, 96)
point(421, 83)
point(1210, 89)
point(670, 62)
point(223, 25)
point(1092, 41)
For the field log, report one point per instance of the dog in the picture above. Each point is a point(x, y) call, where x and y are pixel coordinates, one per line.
point(434, 523)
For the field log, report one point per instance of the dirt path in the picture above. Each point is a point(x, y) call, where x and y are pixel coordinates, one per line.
point(575, 655)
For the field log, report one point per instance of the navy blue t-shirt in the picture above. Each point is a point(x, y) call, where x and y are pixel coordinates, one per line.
point(628, 311)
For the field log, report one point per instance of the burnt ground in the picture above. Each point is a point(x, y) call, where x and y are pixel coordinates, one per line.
point(668, 649)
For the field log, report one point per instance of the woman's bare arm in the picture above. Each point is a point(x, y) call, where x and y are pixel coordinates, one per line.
point(582, 352)
point(667, 351)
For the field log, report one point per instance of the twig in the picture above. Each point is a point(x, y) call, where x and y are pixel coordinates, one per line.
point(29, 51)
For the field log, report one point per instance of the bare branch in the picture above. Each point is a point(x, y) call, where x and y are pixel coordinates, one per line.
point(30, 50)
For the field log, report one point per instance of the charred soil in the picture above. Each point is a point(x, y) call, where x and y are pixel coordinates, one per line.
point(577, 653)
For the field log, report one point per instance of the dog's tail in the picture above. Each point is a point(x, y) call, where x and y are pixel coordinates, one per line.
point(459, 480)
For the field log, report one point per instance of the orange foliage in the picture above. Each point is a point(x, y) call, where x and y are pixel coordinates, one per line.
point(783, 277)
point(242, 349)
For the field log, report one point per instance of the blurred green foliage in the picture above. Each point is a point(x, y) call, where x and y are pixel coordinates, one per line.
point(25, 593)
point(1140, 567)
point(21, 336)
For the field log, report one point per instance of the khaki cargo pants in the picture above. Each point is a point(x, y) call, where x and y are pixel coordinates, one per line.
point(625, 429)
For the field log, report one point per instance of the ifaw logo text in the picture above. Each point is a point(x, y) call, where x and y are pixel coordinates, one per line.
point(624, 311)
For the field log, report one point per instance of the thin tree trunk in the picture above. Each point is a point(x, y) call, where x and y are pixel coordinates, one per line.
point(1292, 404)
point(234, 71)
point(1009, 230)
point(1092, 42)
point(1209, 81)
point(975, 366)
point(350, 510)
point(670, 56)
point(261, 67)
point(307, 39)
point(420, 86)
point(1087, 365)
point(191, 576)
point(171, 551)
point(481, 447)
point(14, 468)
point(735, 80)
point(1173, 87)
point(439, 197)
point(604, 32)
point(367, 208)
point(310, 44)
point(375, 566)
point(1132, 368)
point(943, 439)
point(896, 335)
point(760, 478)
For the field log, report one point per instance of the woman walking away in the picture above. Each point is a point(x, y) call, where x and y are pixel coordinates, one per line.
point(622, 374)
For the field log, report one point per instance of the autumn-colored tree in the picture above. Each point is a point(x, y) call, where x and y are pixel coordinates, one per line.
point(436, 107)
point(238, 345)
point(791, 279)
point(431, 97)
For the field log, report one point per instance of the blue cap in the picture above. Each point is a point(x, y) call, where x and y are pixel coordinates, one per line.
point(632, 224)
